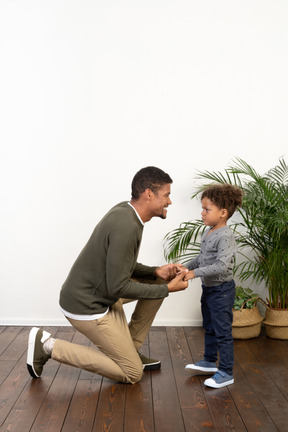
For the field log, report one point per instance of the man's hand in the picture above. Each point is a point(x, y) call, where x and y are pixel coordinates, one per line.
point(178, 283)
point(167, 271)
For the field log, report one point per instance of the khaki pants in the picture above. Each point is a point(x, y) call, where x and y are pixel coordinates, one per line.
point(118, 342)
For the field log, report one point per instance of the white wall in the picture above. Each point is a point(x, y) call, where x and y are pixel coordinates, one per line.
point(92, 91)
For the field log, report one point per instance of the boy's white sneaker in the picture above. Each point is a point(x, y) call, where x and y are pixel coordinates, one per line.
point(220, 379)
point(203, 366)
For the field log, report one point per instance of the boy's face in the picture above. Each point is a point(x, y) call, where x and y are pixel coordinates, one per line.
point(212, 215)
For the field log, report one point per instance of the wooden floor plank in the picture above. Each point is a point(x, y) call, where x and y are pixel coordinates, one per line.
point(250, 407)
point(272, 399)
point(5, 369)
point(279, 348)
point(139, 407)
point(139, 415)
point(17, 347)
point(12, 387)
point(272, 363)
point(7, 336)
point(194, 407)
point(27, 406)
point(221, 405)
point(22, 395)
point(110, 415)
point(66, 399)
point(195, 340)
point(81, 412)
point(223, 409)
point(80, 416)
point(52, 413)
point(167, 411)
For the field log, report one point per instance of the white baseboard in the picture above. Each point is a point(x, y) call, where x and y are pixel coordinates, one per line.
point(178, 323)
point(35, 322)
point(64, 322)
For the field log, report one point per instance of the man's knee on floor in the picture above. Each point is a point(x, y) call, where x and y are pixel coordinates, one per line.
point(136, 377)
point(135, 373)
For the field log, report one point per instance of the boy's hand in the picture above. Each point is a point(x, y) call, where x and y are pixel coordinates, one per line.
point(189, 275)
point(179, 267)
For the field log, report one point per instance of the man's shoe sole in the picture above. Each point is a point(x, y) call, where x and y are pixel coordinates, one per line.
point(30, 353)
point(152, 366)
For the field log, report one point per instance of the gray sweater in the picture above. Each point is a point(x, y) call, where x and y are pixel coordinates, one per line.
point(214, 264)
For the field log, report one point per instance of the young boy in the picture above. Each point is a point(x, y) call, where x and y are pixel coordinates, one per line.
point(214, 265)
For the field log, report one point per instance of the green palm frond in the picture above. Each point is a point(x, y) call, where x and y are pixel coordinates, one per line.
point(216, 177)
point(182, 243)
point(279, 174)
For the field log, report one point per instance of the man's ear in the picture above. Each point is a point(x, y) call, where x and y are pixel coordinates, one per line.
point(148, 193)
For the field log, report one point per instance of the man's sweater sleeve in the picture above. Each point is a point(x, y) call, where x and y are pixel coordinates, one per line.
point(144, 271)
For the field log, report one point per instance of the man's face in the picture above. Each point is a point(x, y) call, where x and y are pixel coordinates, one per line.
point(160, 201)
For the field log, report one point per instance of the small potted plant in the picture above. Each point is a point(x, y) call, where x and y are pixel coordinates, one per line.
point(246, 316)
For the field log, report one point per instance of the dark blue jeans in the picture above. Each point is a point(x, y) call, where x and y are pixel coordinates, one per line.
point(216, 305)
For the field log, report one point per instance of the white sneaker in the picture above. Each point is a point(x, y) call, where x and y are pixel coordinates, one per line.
point(203, 366)
point(220, 379)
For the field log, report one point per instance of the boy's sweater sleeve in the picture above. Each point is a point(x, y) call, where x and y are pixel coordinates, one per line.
point(193, 264)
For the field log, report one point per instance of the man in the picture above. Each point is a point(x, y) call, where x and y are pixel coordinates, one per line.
point(103, 275)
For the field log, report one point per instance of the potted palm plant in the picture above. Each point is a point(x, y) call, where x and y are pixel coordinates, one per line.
point(260, 229)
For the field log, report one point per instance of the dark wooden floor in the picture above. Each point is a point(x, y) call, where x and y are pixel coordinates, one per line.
point(170, 400)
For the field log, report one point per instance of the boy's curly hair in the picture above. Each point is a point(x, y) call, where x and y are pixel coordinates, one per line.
point(224, 196)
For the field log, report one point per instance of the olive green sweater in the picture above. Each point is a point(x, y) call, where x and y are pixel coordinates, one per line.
point(102, 272)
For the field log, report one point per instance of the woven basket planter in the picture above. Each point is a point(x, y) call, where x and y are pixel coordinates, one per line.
point(246, 323)
point(276, 323)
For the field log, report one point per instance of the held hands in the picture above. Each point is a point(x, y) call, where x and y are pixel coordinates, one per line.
point(169, 271)
point(178, 283)
point(177, 274)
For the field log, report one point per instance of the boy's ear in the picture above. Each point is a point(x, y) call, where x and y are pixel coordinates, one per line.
point(224, 213)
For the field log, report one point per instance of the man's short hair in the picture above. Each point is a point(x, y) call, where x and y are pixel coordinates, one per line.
point(149, 178)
